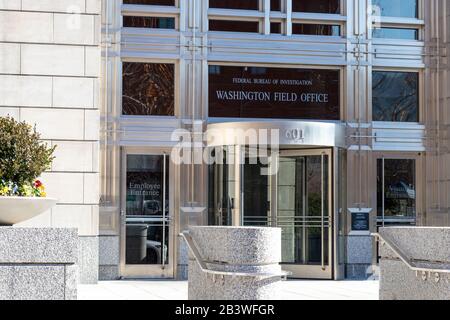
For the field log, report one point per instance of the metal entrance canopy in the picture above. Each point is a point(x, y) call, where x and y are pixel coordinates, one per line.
point(291, 133)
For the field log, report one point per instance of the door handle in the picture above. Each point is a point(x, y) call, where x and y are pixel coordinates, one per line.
point(322, 220)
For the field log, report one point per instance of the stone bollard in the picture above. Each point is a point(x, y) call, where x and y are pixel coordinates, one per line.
point(234, 263)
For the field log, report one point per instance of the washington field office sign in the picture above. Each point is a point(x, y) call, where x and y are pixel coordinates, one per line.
point(278, 93)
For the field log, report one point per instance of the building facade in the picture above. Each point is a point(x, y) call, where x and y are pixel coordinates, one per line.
point(50, 77)
point(353, 95)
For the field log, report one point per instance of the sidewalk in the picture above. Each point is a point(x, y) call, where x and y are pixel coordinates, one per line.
point(177, 290)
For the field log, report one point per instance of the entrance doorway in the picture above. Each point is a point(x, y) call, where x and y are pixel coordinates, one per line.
point(147, 231)
point(297, 198)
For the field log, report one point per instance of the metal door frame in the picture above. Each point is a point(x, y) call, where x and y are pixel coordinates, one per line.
point(324, 271)
point(148, 271)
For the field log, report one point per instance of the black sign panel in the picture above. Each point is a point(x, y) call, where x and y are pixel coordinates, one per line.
point(278, 93)
point(360, 221)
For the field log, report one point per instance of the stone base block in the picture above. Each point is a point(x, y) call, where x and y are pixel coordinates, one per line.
point(249, 250)
point(398, 282)
point(108, 273)
point(38, 263)
point(37, 282)
point(357, 271)
point(230, 287)
point(88, 260)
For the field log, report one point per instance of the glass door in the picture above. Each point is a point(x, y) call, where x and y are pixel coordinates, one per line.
point(303, 211)
point(147, 231)
point(298, 199)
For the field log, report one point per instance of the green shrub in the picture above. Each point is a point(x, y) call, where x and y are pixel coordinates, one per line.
point(23, 158)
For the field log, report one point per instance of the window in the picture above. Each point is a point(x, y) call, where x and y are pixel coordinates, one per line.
point(316, 6)
point(148, 22)
point(395, 96)
point(316, 29)
point(148, 89)
point(275, 5)
point(275, 27)
point(234, 26)
point(396, 33)
point(235, 4)
point(277, 93)
point(396, 190)
point(396, 8)
point(151, 2)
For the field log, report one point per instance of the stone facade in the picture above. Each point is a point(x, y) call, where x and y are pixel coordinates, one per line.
point(49, 77)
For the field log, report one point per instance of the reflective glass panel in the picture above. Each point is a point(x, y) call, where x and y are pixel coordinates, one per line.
point(148, 89)
point(396, 33)
point(275, 27)
point(222, 179)
point(235, 4)
point(399, 189)
point(275, 5)
point(395, 8)
point(316, 29)
point(301, 183)
point(277, 93)
point(151, 2)
point(316, 6)
point(234, 26)
point(256, 192)
point(148, 22)
point(147, 239)
point(395, 96)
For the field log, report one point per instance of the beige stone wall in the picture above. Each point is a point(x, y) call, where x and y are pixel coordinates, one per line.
point(49, 76)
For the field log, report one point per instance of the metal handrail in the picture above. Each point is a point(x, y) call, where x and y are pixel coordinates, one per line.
point(203, 265)
point(406, 260)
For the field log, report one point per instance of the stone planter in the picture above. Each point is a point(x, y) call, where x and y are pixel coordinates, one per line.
point(248, 257)
point(35, 263)
point(14, 210)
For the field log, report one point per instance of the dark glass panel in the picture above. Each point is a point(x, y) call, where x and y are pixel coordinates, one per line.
point(396, 8)
point(316, 29)
point(221, 187)
point(235, 4)
point(316, 6)
point(275, 27)
point(300, 185)
point(399, 188)
point(234, 26)
point(148, 22)
point(396, 33)
point(148, 89)
point(144, 210)
point(151, 2)
point(256, 194)
point(275, 5)
point(395, 96)
point(278, 93)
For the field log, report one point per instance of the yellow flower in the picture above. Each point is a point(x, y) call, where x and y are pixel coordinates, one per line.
point(4, 191)
point(43, 194)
